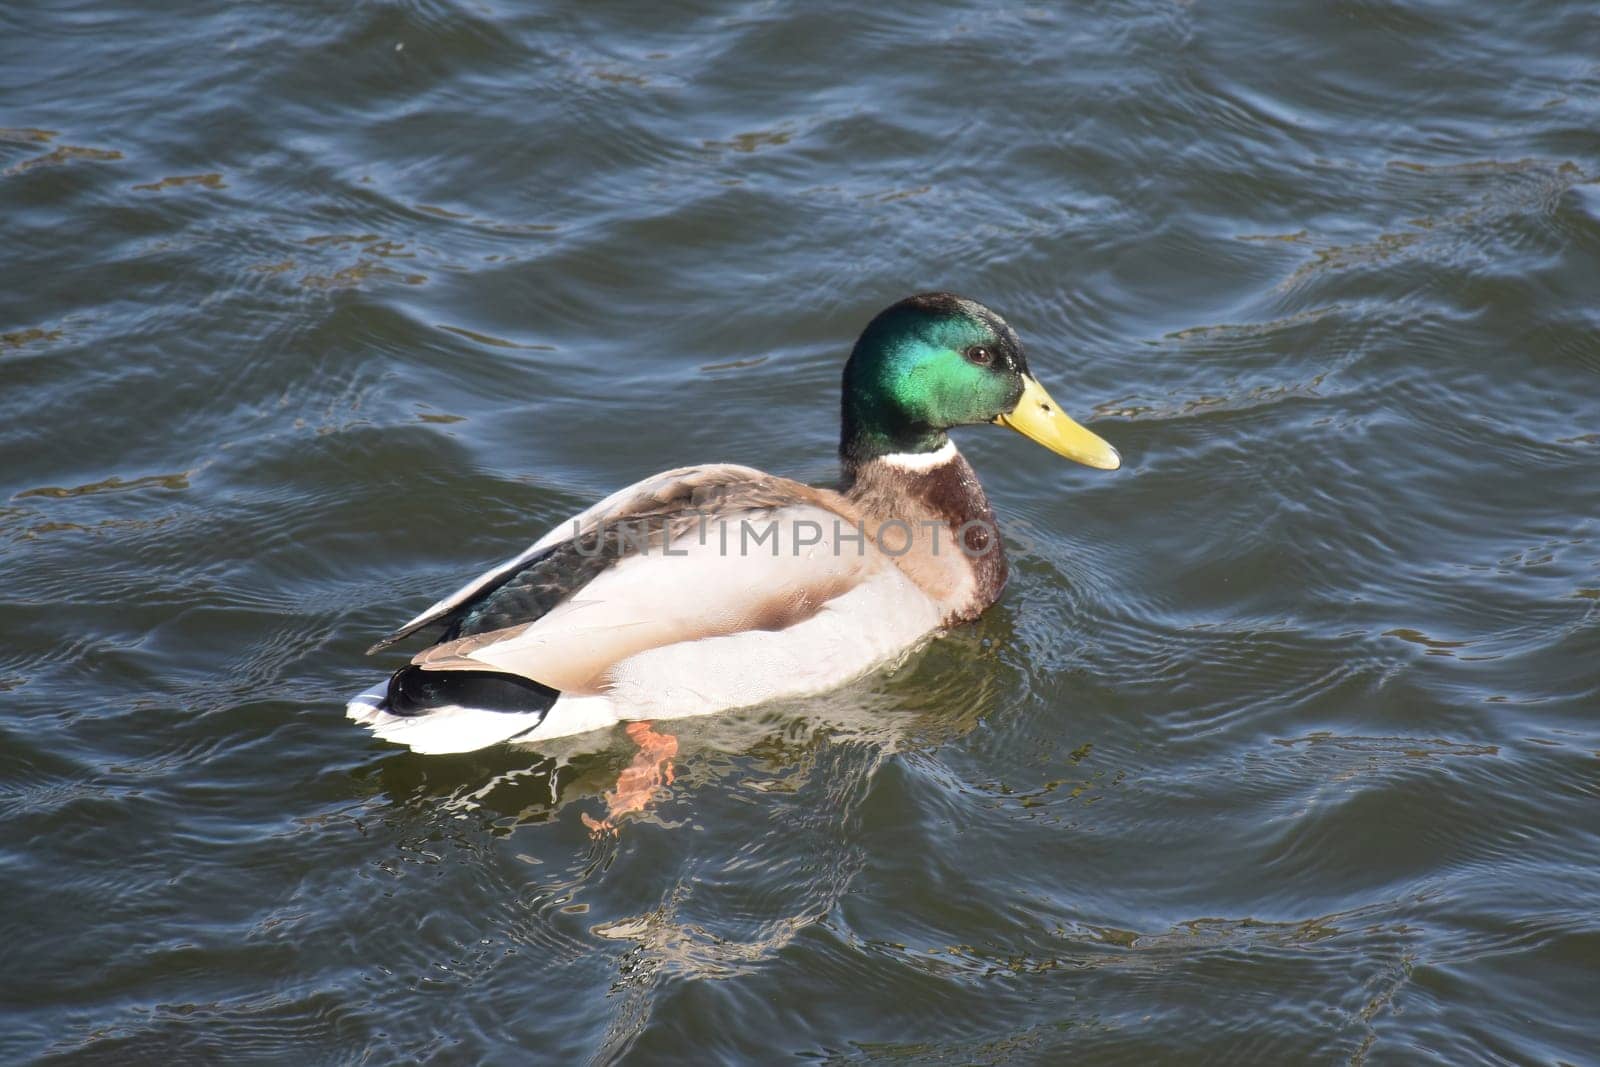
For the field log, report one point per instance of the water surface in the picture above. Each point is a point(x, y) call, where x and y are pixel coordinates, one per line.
point(1281, 748)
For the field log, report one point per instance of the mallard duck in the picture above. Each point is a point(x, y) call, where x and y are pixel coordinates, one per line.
point(714, 587)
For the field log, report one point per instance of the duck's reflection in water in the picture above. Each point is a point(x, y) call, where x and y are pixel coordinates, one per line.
point(714, 843)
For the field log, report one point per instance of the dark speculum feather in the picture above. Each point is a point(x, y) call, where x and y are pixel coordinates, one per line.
point(529, 593)
point(646, 526)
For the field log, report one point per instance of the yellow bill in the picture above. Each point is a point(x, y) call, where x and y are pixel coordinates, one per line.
point(1041, 419)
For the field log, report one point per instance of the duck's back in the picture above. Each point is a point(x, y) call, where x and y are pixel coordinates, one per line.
point(695, 590)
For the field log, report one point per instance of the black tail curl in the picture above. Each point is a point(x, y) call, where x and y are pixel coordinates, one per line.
point(414, 691)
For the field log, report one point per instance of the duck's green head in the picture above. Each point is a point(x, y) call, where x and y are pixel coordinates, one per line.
point(936, 360)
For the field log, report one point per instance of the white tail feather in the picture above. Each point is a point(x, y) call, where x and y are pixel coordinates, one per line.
point(442, 730)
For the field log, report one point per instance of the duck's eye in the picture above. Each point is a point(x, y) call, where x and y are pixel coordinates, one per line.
point(980, 355)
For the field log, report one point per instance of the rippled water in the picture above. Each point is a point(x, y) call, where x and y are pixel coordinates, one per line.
point(1281, 748)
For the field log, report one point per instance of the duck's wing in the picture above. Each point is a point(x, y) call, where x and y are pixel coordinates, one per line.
point(701, 589)
point(694, 553)
point(676, 490)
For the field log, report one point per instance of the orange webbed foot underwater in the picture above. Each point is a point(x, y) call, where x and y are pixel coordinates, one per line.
point(636, 786)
